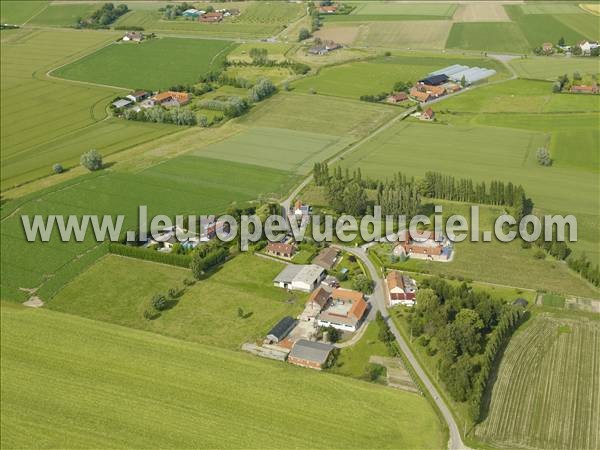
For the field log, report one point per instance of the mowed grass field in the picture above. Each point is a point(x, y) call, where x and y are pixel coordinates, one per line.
point(256, 19)
point(208, 311)
point(62, 390)
point(63, 14)
point(546, 68)
point(183, 185)
point(386, 11)
point(549, 374)
point(488, 36)
point(19, 12)
point(379, 75)
point(46, 120)
point(155, 64)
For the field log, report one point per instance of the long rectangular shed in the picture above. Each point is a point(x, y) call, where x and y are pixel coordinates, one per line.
point(450, 70)
point(473, 75)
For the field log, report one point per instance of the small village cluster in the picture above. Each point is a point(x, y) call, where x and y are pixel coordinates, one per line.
point(584, 48)
point(139, 100)
point(165, 239)
point(209, 16)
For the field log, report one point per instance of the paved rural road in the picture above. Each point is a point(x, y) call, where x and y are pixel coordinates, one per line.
point(377, 300)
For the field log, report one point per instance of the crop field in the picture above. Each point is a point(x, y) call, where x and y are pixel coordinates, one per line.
point(253, 74)
point(278, 148)
point(593, 8)
point(586, 24)
point(154, 64)
point(550, 8)
point(445, 10)
point(488, 36)
point(549, 374)
point(197, 392)
point(480, 12)
point(47, 120)
point(545, 68)
point(64, 15)
point(19, 12)
point(183, 185)
point(289, 110)
point(118, 290)
point(342, 33)
point(411, 34)
point(257, 19)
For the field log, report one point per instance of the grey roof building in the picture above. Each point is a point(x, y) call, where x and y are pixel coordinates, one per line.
point(281, 329)
point(310, 354)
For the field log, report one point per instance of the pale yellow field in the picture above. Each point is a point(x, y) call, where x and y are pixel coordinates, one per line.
point(594, 8)
point(481, 12)
point(345, 34)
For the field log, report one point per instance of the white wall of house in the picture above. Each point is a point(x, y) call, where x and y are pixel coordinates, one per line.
point(338, 326)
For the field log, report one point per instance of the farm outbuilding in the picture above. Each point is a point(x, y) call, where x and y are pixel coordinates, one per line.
point(435, 80)
point(456, 72)
point(310, 354)
point(281, 329)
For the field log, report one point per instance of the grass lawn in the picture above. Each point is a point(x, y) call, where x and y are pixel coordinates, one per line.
point(155, 64)
point(18, 12)
point(488, 36)
point(47, 121)
point(549, 363)
point(379, 75)
point(182, 185)
point(553, 300)
point(354, 360)
point(549, 68)
point(276, 51)
point(61, 391)
point(206, 313)
point(252, 74)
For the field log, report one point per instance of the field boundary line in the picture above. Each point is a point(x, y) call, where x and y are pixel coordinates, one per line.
point(36, 14)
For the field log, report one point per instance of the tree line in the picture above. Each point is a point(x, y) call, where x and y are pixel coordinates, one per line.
point(466, 329)
point(103, 16)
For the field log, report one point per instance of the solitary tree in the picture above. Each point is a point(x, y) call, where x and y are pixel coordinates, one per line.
point(91, 160)
point(57, 168)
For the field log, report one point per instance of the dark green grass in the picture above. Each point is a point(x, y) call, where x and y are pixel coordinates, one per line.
point(154, 64)
point(488, 36)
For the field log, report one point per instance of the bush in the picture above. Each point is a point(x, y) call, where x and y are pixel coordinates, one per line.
point(91, 160)
point(303, 34)
point(539, 254)
point(150, 255)
point(333, 334)
point(363, 284)
point(543, 157)
point(58, 168)
point(159, 302)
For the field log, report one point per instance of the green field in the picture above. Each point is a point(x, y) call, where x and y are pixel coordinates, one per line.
point(47, 120)
point(183, 185)
point(550, 8)
point(379, 75)
point(64, 15)
point(445, 10)
point(257, 19)
point(276, 51)
point(539, 28)
point(495, 262)
point(61, 391)
point(549, 368)
point(154, 65)
point(289, 110)
point(488, 36)
point(19, 12)
point(277, 148)
point(118, 290)
point(549, 68)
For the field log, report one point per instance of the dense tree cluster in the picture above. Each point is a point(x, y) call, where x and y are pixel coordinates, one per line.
point(103, 16)
point(296, 67)
point(206, 257)
point(399, 86)
point(131, 251)
point(466, 329)
point(583, 266)
point(233, 107)
point(263, 88)
point(158, 114)
point(172, 11)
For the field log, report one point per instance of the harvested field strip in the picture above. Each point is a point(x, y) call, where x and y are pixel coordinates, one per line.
point(547, 394)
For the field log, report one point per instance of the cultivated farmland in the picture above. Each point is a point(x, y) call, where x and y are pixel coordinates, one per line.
point(547, 394)
point(154, 64)
point(408, 34)
point(545, 68)
point(122, 289)
point(63, 14)
point(488, 36)
point(47, 121)
point(19, 12)
point(196, 394)
point(379, 11)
